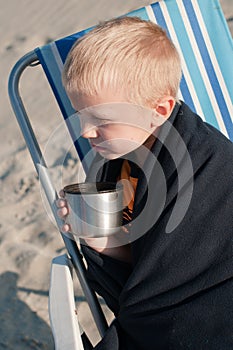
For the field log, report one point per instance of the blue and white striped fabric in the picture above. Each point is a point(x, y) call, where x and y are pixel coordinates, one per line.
point(200, 33)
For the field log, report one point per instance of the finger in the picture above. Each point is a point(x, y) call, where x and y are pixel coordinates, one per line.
point(62, 193)
point(63, 212)
point(124, 229)
point(66, 228)
point(60, 203)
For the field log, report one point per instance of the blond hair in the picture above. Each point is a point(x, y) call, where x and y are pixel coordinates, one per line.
point(124, 54)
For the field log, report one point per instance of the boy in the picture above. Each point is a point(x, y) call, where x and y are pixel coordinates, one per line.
point(167, 276)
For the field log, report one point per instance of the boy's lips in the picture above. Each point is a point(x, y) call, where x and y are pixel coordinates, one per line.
point(98, 148)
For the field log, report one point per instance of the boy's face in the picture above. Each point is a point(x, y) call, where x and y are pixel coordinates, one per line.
point(113, 126)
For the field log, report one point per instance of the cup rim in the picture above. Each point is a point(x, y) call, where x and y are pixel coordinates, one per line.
point(92, 187)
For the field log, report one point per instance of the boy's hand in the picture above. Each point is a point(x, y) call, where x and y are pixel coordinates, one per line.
point(63, 211)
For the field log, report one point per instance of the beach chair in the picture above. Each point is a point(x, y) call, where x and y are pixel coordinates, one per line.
point(199, 31)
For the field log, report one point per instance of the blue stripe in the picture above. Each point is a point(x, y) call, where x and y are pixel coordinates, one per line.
point(159, 16)
point(192, 64)
point(52, 72)
point(183, 85)
point(209, 67)
point(64, 45)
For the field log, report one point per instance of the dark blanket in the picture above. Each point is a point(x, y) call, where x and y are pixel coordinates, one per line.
point(178, 293)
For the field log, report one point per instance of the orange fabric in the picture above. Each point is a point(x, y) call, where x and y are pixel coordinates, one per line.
point(129, 188)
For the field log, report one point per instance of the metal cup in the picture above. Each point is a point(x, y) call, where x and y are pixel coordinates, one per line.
point(95, 209)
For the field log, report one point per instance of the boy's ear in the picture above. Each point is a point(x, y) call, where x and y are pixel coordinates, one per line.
point(165, 106)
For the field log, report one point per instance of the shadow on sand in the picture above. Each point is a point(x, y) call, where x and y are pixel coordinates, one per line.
point(21, 328)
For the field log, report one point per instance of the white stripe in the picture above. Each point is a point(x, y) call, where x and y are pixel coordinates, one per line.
point(216, 69)
point(180, 96)
point(150, 14)
point(57, 56)
point(184, 66)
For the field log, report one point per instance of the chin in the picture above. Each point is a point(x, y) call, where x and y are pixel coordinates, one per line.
point(110, 156)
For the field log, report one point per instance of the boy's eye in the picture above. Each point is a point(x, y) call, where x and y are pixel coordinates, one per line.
point(95, 121)
point(99, 120)
point(101, 117)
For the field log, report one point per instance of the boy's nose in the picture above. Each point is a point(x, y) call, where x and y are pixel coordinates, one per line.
point(89, 132)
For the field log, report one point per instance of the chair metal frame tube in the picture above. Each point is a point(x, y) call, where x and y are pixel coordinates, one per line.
point(31, 59)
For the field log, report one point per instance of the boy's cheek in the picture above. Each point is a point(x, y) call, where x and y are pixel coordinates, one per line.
point(117, 148)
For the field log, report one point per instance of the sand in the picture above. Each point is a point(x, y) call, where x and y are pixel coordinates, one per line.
point(28, 238)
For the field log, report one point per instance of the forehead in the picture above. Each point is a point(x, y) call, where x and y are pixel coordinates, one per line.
point(81, 101)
